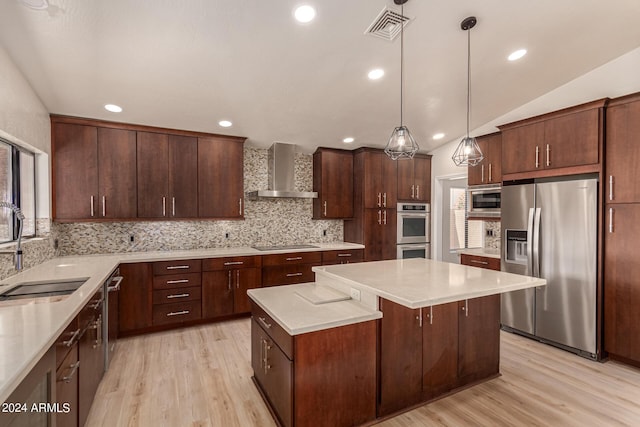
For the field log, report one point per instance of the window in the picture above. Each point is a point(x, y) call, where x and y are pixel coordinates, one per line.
point(463, 233)
point(17, 186)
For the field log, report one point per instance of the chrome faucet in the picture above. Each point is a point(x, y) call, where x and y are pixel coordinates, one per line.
point(17, 255)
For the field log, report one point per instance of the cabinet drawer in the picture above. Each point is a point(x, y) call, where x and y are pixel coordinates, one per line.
point(275, 331)
point(480, 261)
point(66, 340)
point(175, 267)
point(177, 281)
point(342, 257)
point(177, 312)
point(167, 296)
point(228, 263)
point(287, 274)
point(292, 258)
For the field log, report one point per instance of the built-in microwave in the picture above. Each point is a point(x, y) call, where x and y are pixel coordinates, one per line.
point(483, 202)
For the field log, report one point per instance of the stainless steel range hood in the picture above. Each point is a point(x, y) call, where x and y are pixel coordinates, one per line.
point(281, 175)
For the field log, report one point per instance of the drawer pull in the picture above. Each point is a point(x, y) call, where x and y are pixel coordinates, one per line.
point(74, 369)
point(173, 282)
point(345, 254)
point(178, 313)
point(177, 296)
point(97, 304)
point(476, 261)
point(294, 274)
point(295, 258)
point(178, 267)
point(71, 340)
point(264, 322)
point(234, 263)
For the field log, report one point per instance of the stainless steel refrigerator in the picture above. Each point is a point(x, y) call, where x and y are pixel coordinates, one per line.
point(549, 230)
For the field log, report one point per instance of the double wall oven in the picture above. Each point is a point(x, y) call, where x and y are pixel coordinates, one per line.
point(414, 237)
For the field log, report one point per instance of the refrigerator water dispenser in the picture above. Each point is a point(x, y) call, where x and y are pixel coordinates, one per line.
point(516, 246)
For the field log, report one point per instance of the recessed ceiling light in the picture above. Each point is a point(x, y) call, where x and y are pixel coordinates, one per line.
point(348, 140)
point(113, 108)
point(438, 136)
point(517, 54)
point(376, 74)
point(304, 14)
point(225, 123)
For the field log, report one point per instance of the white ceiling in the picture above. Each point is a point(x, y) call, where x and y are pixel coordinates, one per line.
point(188, 64)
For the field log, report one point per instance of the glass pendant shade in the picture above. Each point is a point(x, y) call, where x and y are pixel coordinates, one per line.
point(401, 145)
point(468, 152)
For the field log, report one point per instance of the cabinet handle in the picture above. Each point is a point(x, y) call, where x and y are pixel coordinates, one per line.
point(344, 255)
point(466, 308)
point(419, 318)
point(173, 206)
point(234, 263)
point(240, 203)
point(97, 325)
point(490, 178)
point(379, 199)
point(384, 220)
point(413, 194)
point(417, 191)
point(237, 279)
point(475, 261)
point(295, 258)
point(92, 206)
point(173, 282)
point(548, 155)
point(325, 208)
point(384, 200)
point(164, 206)
point(74, 368)
point(610, 220)
point(294, 274)
point(430, 315)
point(177, 296)
point(264, 322)
point(380, 217)
point(265, 360)
point(610, 187)
point(71, 340)
point(482, 174)
point(537, 157)
point(97, 304)
point(178, 313)
point(177, 267)
point(104, 205)
point(229, 286)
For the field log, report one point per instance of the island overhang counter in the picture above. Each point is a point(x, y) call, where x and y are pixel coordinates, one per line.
point(386, 336)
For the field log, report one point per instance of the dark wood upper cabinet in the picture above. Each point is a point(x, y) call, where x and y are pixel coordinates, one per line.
point(153, 171)
point(414, 179)
point(564, 142)
point(489, 171)
point(183, 177)
point(220, 177)
point(333, 180)
point(376, 178)
point(117, 173)
point(75, 171)
point(623, 150)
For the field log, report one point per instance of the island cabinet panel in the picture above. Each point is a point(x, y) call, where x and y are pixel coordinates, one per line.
point(488, 171)
point(135, 297)
point(622, 283)
point(329, 379)
point(439, 349)
point(220, 178)
point(333, 180)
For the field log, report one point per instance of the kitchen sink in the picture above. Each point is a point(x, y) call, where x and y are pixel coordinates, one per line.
point(42, 289)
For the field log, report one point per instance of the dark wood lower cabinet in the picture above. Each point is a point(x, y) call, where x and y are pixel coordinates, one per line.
point(439, 349)
point(67, 389)
point(91, 355)
point(217, 293)
point(135, 298)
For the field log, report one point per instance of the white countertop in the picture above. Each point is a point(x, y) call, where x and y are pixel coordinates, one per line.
point(485, 252)
point(298, 315)
point(420, 282)
point(29, 327)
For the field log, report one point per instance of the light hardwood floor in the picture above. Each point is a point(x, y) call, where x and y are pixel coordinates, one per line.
point(201, 376)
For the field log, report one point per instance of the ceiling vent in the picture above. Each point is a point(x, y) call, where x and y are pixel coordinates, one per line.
point(387, 24)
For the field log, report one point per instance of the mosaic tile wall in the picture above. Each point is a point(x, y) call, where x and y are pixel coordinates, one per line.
point(493, 241)
point(35, 251)
point(267, 222)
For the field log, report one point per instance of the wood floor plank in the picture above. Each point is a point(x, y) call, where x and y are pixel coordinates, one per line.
point(201, 376)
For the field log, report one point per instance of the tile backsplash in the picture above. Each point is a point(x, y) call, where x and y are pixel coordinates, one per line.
point(35, 251)
point(492, 235)
point(267, 222)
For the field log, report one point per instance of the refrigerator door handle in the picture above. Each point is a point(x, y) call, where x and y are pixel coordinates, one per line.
point(529, 242)
point(536, 244)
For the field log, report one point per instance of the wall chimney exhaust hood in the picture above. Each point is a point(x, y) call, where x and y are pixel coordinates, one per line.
point(281, 175)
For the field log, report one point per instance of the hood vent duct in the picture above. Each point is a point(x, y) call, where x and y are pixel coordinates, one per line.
point(281, 175)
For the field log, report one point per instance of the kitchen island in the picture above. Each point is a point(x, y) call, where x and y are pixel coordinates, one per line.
point(369, 340)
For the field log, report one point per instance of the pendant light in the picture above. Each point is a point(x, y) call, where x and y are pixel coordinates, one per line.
point(468, 152)
point(401, 145)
